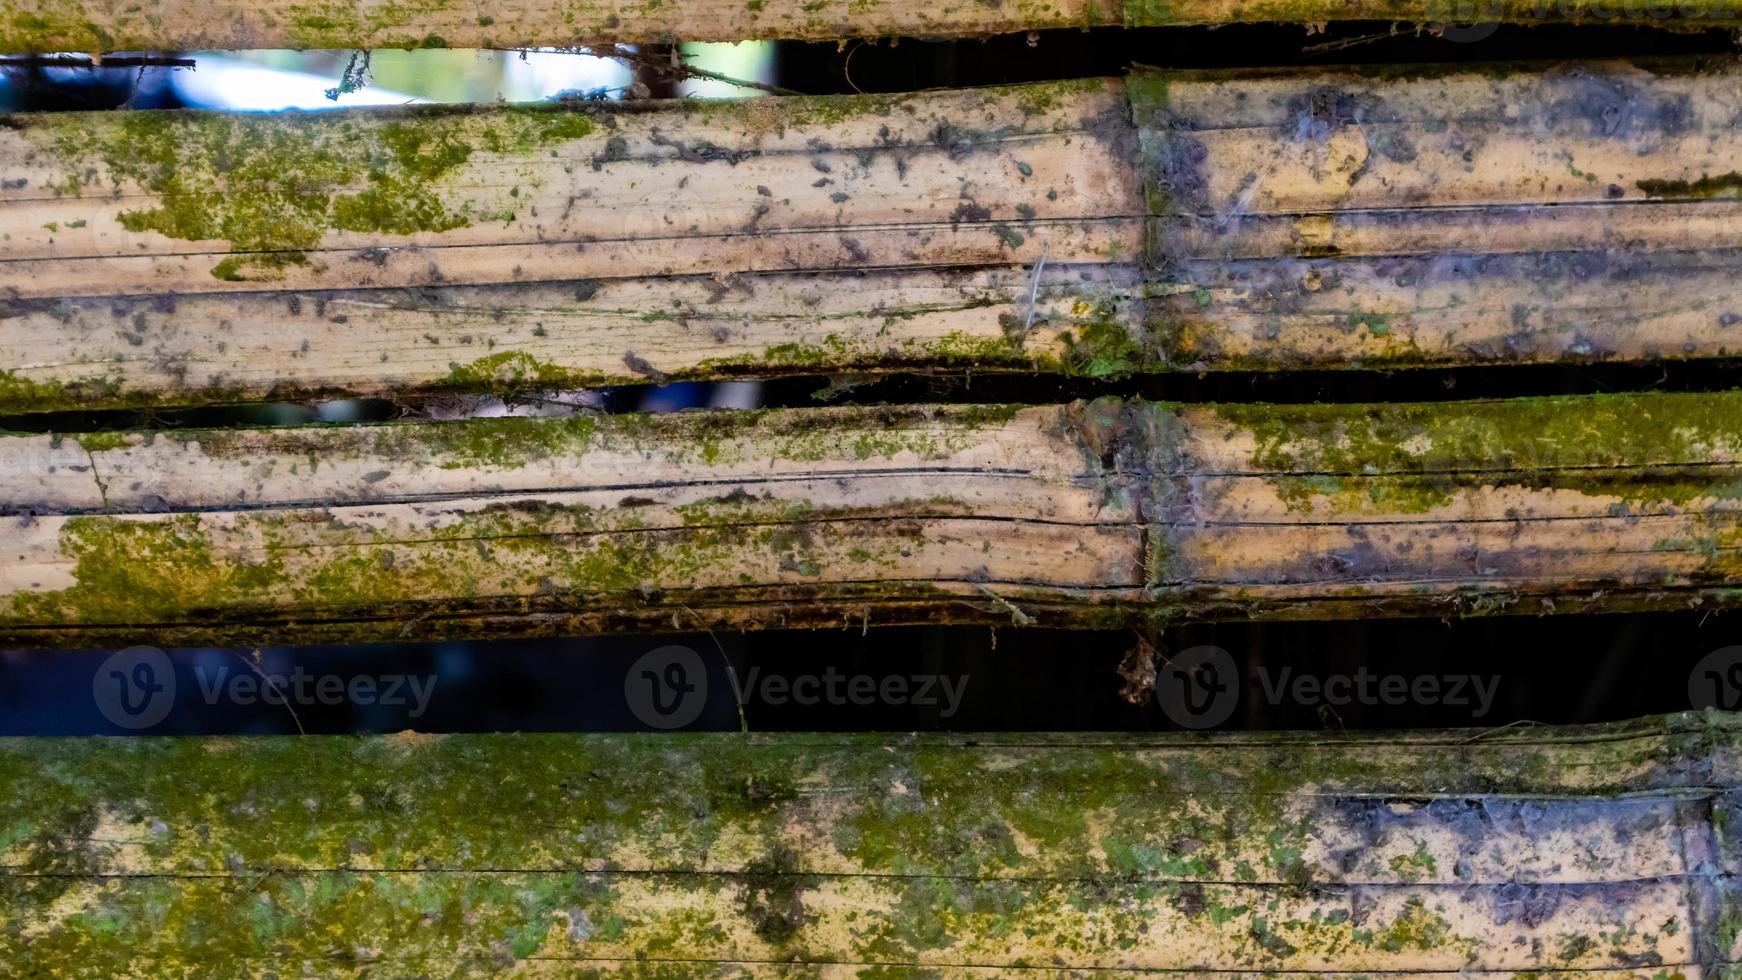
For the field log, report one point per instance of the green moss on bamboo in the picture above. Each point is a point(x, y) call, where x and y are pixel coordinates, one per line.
point(20, 394)
point(1105, 348)
point(329, 24)
point(514, 372)
point(1708, 186)
point(274, 188)
point(1093, 341)
point(24, 395)
point(1412, 458)
point(709, 438)
point(102, 442)
point(835, 352)
point(811, 111)
point(43, 26)
point(173, 569)
point(1077, 850)
point(143, 570)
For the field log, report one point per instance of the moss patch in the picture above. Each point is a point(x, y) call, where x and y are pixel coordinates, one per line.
point(274, 187)
point(359, 853)
point(189, 566)
point(1722, 185)
point(1414, 457)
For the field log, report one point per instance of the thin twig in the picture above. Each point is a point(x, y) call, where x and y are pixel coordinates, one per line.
point(133, 92)
point(1017, 616)
point(255, 666)
point(1500, 728)
point(847, 67)
point(731, 675)
point(1349, 42)
point(689, 71)
point(1034, 288)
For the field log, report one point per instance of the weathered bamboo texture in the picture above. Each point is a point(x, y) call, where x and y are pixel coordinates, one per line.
point(1265, 220)
point(1607, 851)
point(97, 26)
point(1106, 513)
point(1322, 219)
point(1319, 220)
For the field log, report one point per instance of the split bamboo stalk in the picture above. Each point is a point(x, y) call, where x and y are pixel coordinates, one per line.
point(1258, 220)
point(1605, 851)
point(90, 25)
point(1106, 513)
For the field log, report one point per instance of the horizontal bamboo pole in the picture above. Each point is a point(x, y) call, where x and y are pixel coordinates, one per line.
point(1101, 227)
point(1106, 513)
point(86, 25)
point(1319, 219)
point(1606, 851)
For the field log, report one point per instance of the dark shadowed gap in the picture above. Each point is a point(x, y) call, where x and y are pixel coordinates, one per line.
point(907, 64)
point(1391, 674)
point(992, 388)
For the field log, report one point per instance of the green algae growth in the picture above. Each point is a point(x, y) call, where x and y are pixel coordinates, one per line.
point(274, 187)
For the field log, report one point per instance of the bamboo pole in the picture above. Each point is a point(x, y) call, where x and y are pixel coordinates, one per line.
point(1606, 851)
point(1105, 513)
point(1177, 221)
point(84, 25)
